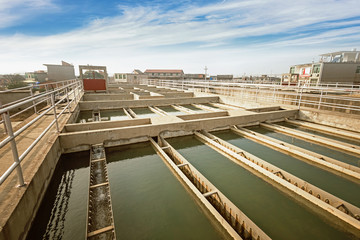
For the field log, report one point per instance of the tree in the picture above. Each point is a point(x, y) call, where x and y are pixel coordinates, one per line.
point(15, 81)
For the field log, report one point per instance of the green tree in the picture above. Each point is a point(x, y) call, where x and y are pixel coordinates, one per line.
point(15, 81)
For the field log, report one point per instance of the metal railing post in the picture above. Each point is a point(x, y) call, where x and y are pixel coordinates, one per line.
point(67, 98)
point(320, 99)
point(33, 102)
point(55, 115)
point(301, 91)
point(46, 91)
point(8, 125)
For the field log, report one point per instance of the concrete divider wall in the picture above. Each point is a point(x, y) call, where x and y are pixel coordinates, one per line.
point(72, 142)
point(334, 119)
point(107, 97)
point(203, 115)
point(143, 103)
point(19, 223)
point(106, 124)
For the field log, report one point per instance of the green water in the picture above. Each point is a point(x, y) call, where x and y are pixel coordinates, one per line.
point(307, 130)
point(332, 183)
point(192, 107)
point(84, 115)
point(273, 211)
point(63, 211)
point(114, 115)
point(343, 157)
point(149, 202)
point(171, 110)
point(144, 112)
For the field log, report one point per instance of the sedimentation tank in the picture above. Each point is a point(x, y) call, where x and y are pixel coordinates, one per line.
point(201, 167)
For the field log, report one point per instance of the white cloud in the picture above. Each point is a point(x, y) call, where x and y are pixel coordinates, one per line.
point(193, 36)
point(14, 11)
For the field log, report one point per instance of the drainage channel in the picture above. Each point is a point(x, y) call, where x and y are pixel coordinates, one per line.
point(149, 201)
point(332, 183)
point(347, 214)
point(277, 214)
point(100, 220)
point(338, 155)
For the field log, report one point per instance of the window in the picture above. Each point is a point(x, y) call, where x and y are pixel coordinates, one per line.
point(292, 70)
point(358, 69)
point(316, 68)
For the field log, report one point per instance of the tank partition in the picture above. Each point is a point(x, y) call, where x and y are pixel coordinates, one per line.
point(106, 97)
point(265, 109)
point(203, 115)
point(105, 124)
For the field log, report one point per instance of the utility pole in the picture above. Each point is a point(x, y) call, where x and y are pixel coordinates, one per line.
point(205, 72)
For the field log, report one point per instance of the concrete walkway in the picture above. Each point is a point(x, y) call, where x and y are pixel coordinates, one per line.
point(10, 193)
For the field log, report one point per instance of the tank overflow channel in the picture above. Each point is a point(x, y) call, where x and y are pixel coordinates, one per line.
point(100, 219)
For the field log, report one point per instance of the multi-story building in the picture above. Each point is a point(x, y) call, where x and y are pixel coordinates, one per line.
point(65, 71)
point(174, 74)
point(335, 67)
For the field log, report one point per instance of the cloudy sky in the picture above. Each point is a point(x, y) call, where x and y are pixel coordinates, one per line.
point(228, 36)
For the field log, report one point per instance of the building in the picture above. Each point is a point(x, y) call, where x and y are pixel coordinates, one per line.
point(37, 76)
point(65, 71)
point(135, 77)
point(224, 77)
point(173, 74)
point(335, 67)
point(194, 76)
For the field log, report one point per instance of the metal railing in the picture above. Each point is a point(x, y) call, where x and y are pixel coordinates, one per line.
point(65, 93)
point(334, 98)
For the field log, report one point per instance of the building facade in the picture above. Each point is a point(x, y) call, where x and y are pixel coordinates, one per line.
point(335, 67)
point(62, 72)
point(174, 74)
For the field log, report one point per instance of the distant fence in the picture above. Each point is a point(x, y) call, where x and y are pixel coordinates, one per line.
point(332, 97)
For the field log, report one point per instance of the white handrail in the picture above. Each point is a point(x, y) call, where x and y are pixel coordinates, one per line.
point(63, 91)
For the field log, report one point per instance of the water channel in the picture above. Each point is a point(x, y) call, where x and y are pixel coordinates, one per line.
point(338, 155)
point(149, 202)
point(144, 112)
point(332, 183)
point(273, 211)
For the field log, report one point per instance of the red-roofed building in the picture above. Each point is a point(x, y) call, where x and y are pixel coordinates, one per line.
point(165, 73)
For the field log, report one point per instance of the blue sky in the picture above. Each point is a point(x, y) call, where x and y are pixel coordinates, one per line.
point(229, 37)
